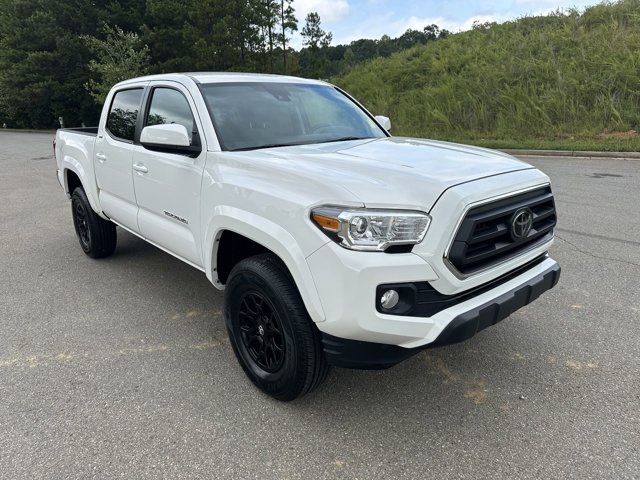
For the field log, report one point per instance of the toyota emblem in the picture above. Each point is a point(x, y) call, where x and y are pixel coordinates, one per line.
point(521, 223)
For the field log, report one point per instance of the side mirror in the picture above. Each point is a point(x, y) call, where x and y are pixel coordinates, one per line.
point(384, 121)
point(169, 138)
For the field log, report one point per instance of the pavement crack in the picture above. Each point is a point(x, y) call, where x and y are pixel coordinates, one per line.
point(46, 359)
point(601, 237)
point(593, 255)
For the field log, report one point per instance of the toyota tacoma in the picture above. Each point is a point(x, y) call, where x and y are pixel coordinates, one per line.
point(335, 243)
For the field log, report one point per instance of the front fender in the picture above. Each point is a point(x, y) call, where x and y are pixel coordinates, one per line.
point(270, 235)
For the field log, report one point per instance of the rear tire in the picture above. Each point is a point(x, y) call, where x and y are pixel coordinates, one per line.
point(272, 335)
point(96, 235)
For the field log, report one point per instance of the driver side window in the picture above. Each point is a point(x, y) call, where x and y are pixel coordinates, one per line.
point(170, 106)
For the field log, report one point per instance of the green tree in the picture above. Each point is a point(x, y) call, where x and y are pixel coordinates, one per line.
point(288, 23)
point(120, 55)
point(226, 35)
point(167, 30)
point(44, 61)
point(127, 14)
point(386, 46)
point(50, 50)
point(313, 59)
point(270, 18)
point(312, 33)
point(349, 58)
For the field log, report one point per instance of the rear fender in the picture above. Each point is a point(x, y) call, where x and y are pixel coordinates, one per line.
point(70, 164)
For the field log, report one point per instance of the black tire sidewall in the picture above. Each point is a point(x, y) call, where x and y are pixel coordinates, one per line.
point(304, 366)
point(79, 197)
point(101, 232)
point(241, 283)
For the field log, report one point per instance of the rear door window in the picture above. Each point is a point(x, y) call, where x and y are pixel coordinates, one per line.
point(123, 114)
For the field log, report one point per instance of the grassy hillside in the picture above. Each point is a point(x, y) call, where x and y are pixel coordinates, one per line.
point(558, 81)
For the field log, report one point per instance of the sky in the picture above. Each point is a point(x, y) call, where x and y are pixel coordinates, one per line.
point(353, 19)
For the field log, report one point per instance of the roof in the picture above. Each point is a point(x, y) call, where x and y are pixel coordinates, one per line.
point(224, 77)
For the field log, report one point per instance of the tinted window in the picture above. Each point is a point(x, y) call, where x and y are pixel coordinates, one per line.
point(124, 112)
point(170, 106)
point(256, 115)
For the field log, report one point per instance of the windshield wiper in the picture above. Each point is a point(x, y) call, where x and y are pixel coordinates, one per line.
point(345, 139)
point(266, 145)
point(275, 145)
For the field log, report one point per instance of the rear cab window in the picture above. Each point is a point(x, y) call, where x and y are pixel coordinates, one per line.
point(123, 114)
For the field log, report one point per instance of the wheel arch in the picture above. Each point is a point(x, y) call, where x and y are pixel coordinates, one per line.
point(74, 175)
point(259, 235)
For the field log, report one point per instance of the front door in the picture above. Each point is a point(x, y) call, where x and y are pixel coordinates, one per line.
point(113, 157)
point(167, 185)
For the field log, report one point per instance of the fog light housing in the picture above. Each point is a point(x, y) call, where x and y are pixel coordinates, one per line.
point(389, 299)
point(396, 298)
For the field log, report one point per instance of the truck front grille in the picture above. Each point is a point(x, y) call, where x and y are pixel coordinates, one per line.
point(488, 235)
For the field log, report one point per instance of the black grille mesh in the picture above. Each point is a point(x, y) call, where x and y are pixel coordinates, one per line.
point(485, 238)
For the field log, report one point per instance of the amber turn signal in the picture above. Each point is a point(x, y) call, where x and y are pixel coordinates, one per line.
point(328, 223)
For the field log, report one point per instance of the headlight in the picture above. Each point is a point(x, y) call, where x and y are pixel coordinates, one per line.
point(371, 230)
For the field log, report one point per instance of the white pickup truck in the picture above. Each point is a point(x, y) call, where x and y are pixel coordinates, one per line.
point(335, 243)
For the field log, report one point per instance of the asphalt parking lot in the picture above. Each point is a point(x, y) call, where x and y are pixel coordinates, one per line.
point(121, 367)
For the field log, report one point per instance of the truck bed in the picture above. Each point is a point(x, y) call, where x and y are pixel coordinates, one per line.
point(74, 152)
point(93, 131)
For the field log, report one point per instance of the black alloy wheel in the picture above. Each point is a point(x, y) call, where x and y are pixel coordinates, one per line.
point(82, 226)
point(273, 337)
point(96, 236)
point(261, 332)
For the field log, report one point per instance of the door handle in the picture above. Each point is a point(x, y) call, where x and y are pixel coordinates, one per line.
point(101, 157)
point(138, 167)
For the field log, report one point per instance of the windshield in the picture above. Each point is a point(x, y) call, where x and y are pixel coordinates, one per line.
point(253, 115)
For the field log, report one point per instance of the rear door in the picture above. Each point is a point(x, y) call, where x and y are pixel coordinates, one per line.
point(113, 154)
point(167, 185)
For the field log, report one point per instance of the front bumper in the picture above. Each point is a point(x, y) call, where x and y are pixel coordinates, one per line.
point(349, 353)
point(346, 283)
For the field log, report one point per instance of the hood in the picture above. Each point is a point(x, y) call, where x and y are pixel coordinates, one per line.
point(394, 171)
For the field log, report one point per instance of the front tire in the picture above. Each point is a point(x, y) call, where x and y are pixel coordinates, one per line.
point(271, 333)
point(97, 236)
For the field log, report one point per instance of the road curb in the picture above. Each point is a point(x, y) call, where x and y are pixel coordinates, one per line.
point(572, 153)
point(510, 151)
point(26, 130)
